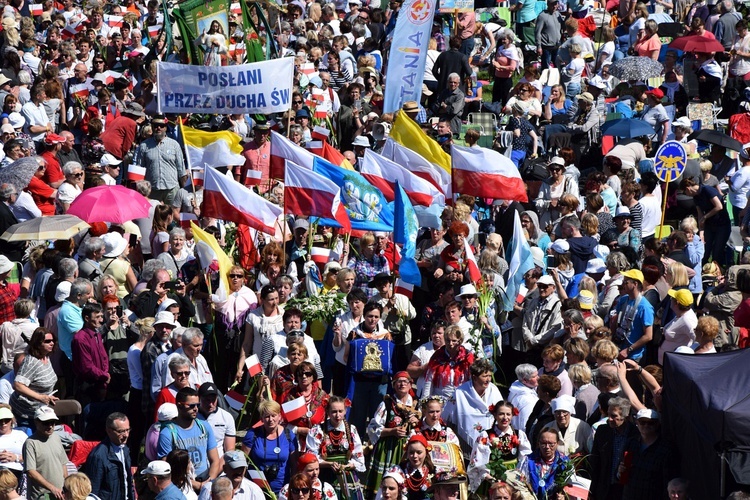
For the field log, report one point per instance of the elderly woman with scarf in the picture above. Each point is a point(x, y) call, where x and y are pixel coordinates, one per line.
point(449, 366)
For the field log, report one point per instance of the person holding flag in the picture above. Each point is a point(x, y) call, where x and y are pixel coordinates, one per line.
point(458, 256)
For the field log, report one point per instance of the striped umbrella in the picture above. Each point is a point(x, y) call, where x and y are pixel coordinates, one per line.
point(54, 227)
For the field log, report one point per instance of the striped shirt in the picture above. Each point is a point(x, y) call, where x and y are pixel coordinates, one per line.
point(37, 375)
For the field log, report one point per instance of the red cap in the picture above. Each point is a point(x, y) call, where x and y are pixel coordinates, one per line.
point(52, 138)
point(657, 93)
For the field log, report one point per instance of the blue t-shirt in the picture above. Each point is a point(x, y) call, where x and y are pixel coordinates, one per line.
point(263, 454)
point(198, 441)
point(704, 201)
point(644, 317)
point(527, 12)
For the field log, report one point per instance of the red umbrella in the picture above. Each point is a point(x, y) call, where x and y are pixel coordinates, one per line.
point(115, 204)
point(696, 43)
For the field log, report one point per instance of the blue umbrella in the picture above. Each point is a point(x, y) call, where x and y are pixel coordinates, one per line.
point(627, 128)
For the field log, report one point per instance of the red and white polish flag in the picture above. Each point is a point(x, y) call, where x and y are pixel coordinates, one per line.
point(404, 288)
point(320, 133)
point(258, 478)
point(186, 218)
point(294, 409)
point(225, 198)
point(252, 363)
point(306, 192)
point(383, 174)
point(235, 400)
point(486, 173)
point(136, 173)
point(283, 149)
point(471, 263)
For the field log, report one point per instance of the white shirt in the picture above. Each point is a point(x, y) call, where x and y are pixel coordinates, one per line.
point(24, 208)
point(223, 426)
point(424, 354)
point(651, 214)
point(37, 116)
point(6, 386)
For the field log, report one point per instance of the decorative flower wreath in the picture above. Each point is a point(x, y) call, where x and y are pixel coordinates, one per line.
point(326, 402)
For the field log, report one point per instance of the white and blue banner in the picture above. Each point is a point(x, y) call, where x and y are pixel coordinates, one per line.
point(263, 87)
point(408, 53)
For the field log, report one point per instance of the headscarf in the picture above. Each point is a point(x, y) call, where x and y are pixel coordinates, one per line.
point(533, 238)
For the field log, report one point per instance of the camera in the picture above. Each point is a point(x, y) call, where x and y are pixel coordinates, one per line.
point(271, 471)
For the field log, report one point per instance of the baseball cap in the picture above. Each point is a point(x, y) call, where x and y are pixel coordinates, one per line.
point(208, 389)
point(6, 414)
point(545, 280)
point(301, 224)
point(108, 159)
point(657, 93)
point(235, 459)
point(633, 274)
point(166, 412)
point(560, 246)
point(7, 129)
point(647, 413)
point(682, 296)
point(45, 414)
point(586, 300)
point(157, 468)
point(62, 291)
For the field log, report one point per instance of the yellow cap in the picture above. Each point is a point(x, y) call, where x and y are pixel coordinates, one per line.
point(683, 297)
point(633, 274)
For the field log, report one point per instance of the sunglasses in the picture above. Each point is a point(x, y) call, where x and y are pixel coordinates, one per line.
point(297, 491)
point(5, 421)
point(183, 374)
point(159, 125)
point(306, 374)
point(79, 174)
point(469, 297)
point(49, 341)
point(192, 406)
point(297, 102)
point(238, 276)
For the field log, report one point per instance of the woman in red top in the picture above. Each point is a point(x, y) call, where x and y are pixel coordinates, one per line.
point(282, 381)
point(316, 400)
point(53, 175)
point(43, 195)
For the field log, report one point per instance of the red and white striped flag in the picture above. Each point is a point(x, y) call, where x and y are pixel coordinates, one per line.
point(307, 68)
point(185, 219)
point(486, 173)
point(225, 198)
point(81, 90)
point(294, 409)
point(153, 31)
point(315, 147)
point(320, 133)
point(37, 9)
point(235, 400)
point(471, 263)
point(235, 8)
point(258, 478)
point(236, 49)
point(383, 174)
point(404, 288)
point(198, 175)
point(136, 173)
point(320, 256)
point(252, 363)
point(309, 193)
point(283, 149)
point(419, 166)
point(253, 177)
point(113, 21)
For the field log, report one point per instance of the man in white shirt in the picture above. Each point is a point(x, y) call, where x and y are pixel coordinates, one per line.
point(221, 420)
point(37, 121)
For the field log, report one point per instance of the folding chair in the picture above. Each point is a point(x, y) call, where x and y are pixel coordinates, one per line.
point(487, 121)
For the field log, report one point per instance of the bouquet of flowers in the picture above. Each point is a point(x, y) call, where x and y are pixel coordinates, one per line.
point(322, 307)
point(500, 448)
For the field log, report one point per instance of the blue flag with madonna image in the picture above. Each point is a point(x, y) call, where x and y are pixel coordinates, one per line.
point(520, 260)
point(405, 228)
point(364, 203)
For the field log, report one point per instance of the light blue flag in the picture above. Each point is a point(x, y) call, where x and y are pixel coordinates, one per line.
point(405, 227)
point(520, 260)
point(365, 205)
point(408, 53)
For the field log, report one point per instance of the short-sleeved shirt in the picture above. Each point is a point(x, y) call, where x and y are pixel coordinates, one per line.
point(46, 456)
point(522, 124)
point(704, 201)
point(643, 318)
point(198, 441)
point(656, 117)
point(223, 426)
point(163, 161)
point(646, 48)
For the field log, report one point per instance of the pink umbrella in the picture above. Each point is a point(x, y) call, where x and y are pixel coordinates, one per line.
point(115, 204)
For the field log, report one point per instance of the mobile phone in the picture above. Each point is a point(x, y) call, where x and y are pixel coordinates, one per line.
point(133, 240)
point(171, 285)
point(119, 311)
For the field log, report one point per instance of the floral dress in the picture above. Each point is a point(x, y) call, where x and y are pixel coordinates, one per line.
point(341, 445)
point(418, 481)
point(316, 405)
point(494, 452)
point(389, 450)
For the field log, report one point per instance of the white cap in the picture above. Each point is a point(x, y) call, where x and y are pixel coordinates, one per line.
point(647, 413)
point(5, 264)
point(166, 412)
point(157, 468)
point(165, 318)
point(62, 291)
point(545, 280)
point(560, 246)
point(622, 211)
point(45, 414)
point(107, 160)
point(114, 244)
point(557, 160)
point(596, 266)
point(538, 255)
point(564, 403)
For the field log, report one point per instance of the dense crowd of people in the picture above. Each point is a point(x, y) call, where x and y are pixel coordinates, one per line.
point(447, 389)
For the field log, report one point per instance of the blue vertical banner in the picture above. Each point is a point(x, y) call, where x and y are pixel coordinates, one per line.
point(405, 227)
point(408, 53)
